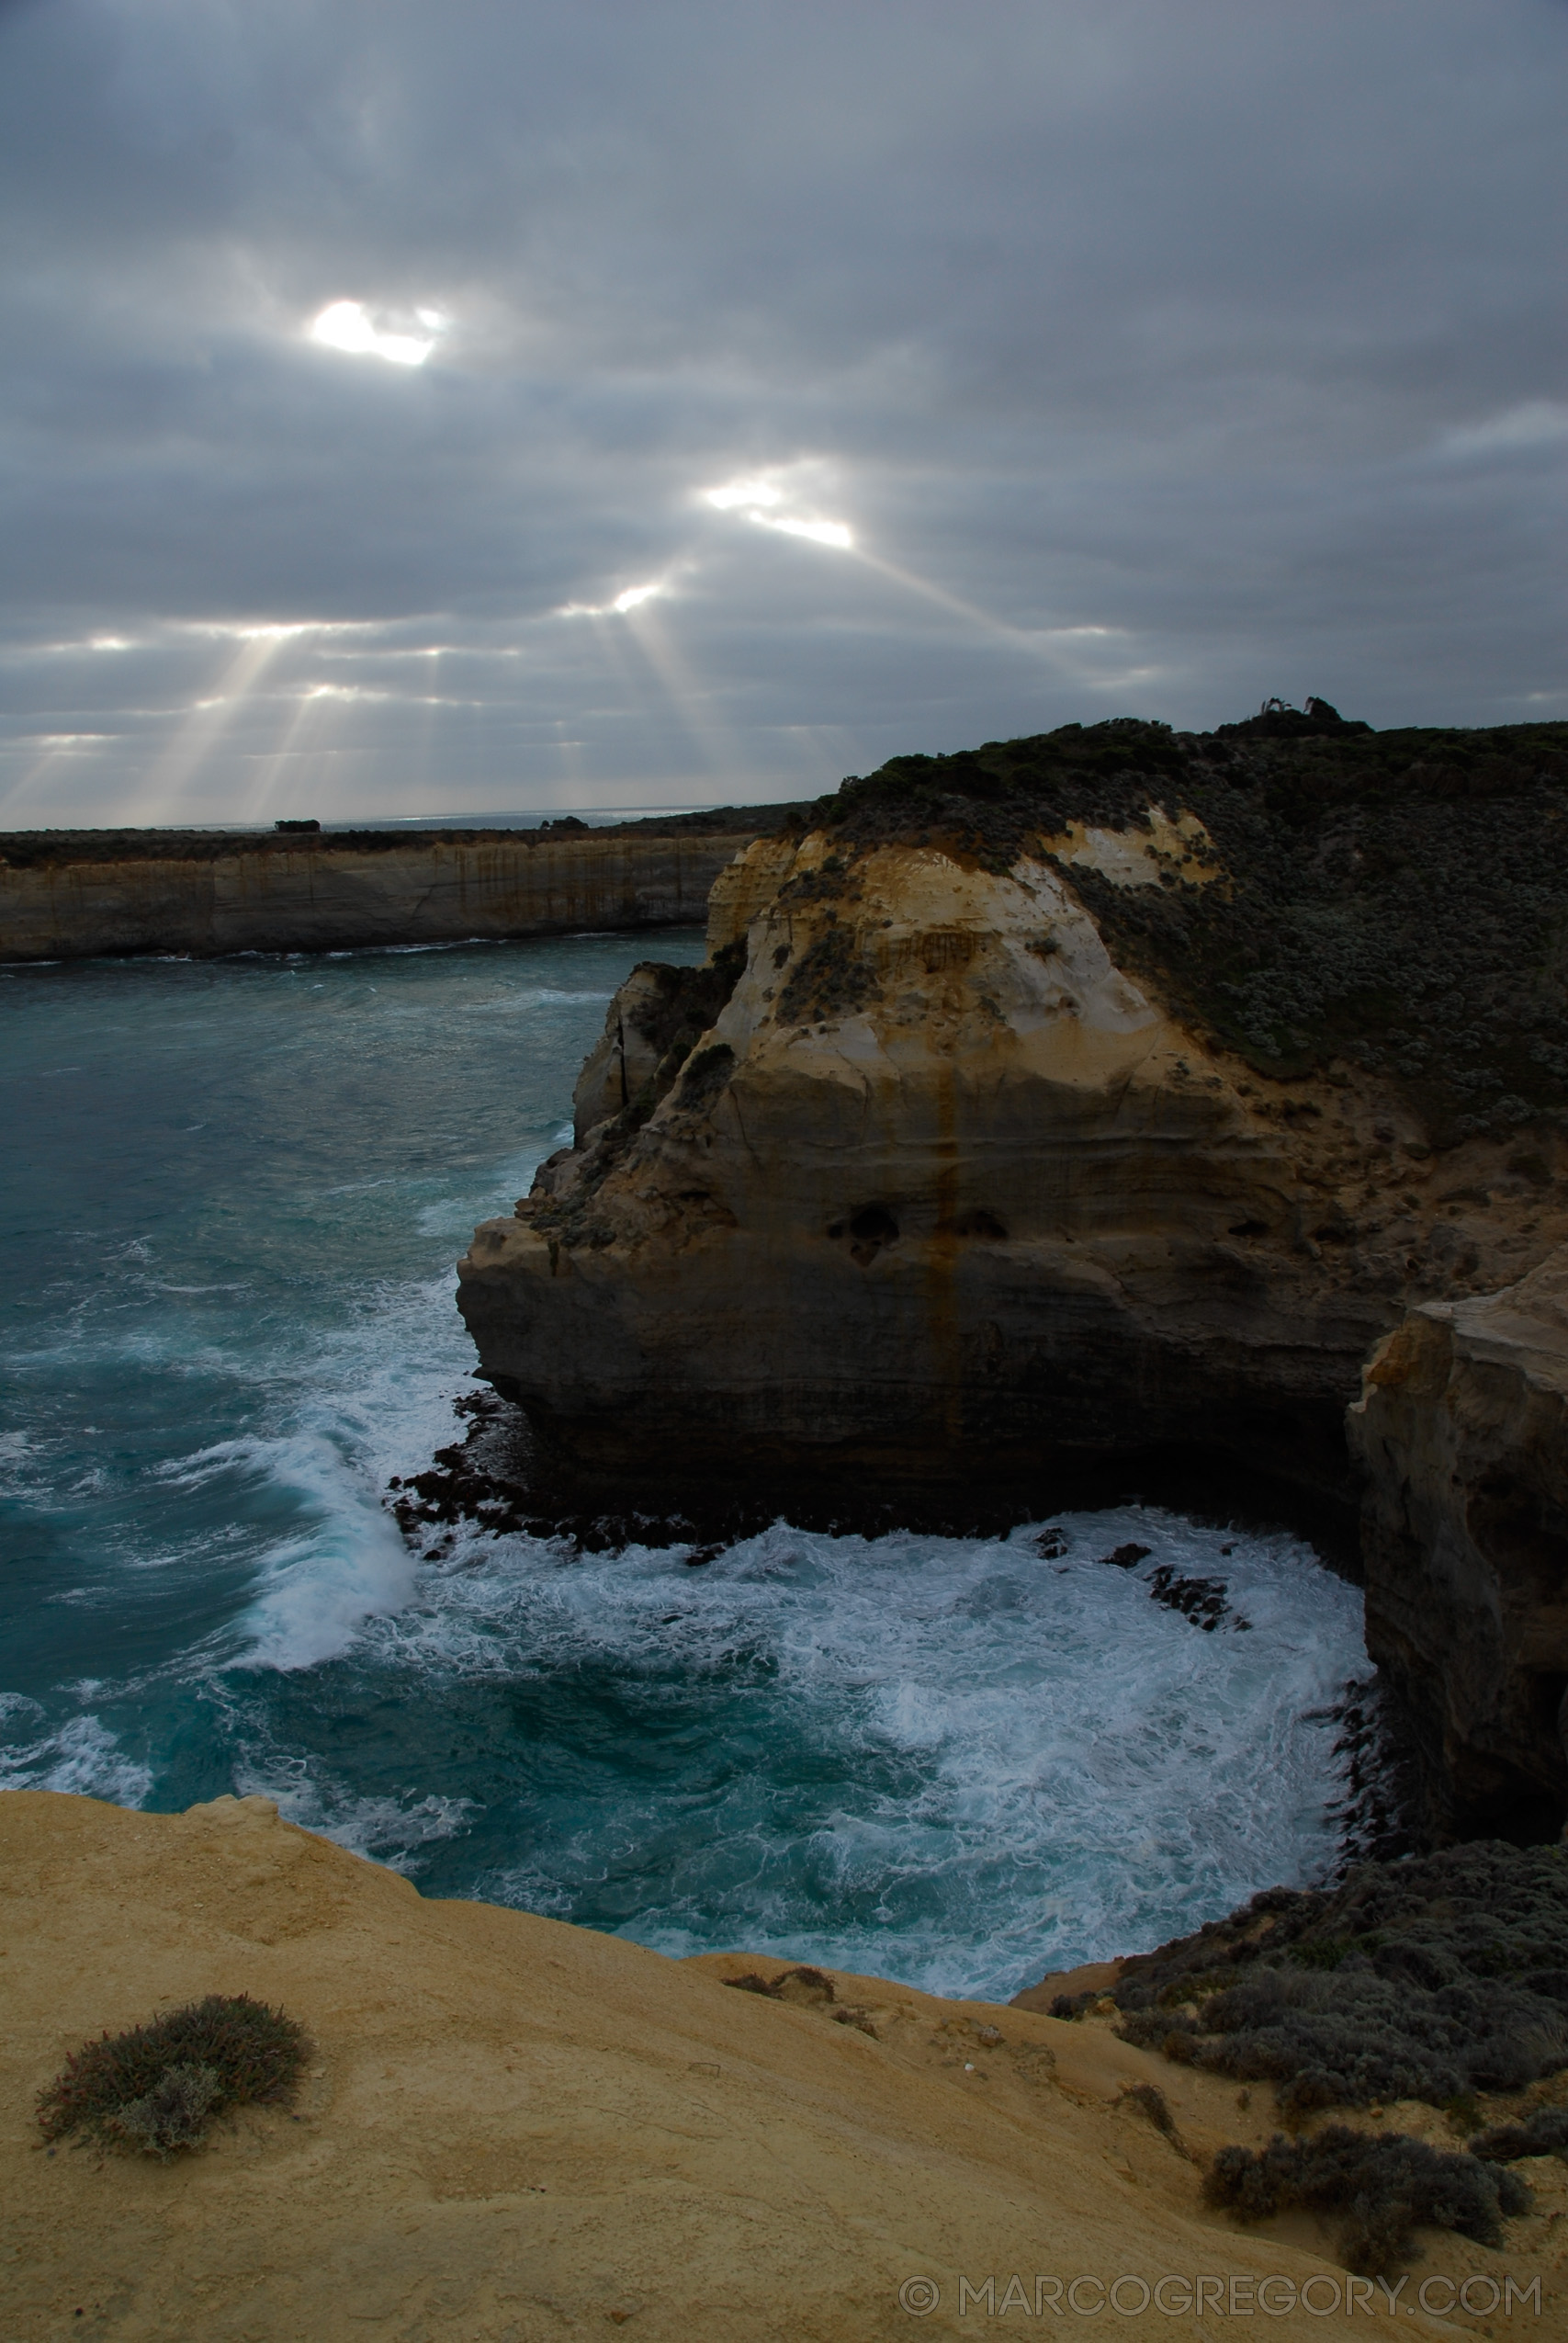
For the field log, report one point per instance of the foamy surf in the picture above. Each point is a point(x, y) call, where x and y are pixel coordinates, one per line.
point(951, 1760)
point(77, 1754)
point(961, 1762)
point(347, 1565)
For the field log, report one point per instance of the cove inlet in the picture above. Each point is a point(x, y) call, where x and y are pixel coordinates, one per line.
point(229, 1220)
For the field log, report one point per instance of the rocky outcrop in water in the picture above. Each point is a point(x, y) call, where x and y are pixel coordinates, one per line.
point(1463, 1430)
point(1103, 1101)
point(942, 1189)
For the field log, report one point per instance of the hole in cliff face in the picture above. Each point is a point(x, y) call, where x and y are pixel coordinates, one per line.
point(983, 1225)
point(871, 1228)
point(1249, 1228)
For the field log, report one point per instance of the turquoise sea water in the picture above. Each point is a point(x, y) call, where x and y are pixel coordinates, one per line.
point(230, 1198)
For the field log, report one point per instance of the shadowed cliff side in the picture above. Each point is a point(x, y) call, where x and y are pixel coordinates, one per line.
point(1464, 1430)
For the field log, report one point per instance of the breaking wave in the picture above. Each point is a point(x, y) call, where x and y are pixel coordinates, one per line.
point(958, 1762)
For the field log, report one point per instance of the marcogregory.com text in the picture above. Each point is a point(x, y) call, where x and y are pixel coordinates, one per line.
point(1323, 2292)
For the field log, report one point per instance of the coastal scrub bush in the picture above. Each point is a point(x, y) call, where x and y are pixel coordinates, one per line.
point(707, 1074)
point(1544, 2133)
point(156, 2087)
point(830, 978)
point(1426, 1979)
point(681, 1003)
point(1385, 2187)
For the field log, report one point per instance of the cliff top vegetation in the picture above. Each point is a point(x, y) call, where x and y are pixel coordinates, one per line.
point(45, 849)
point(1393, 900)
point(157, 2088)
point(1427, 1979)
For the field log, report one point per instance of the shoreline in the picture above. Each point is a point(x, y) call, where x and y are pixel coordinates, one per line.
point(87, 895)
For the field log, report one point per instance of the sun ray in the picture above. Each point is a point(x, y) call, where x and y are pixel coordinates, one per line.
point(205, 722)
point(714, 738)
point(284, 761)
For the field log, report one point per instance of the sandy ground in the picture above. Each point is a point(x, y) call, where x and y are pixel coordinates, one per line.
point(514, 2130)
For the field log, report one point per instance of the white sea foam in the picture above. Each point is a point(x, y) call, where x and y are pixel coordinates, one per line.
point(80, 1755)
point(979, 1764)
point(390, 1830)
point(340, 1562)
point(950, 1760)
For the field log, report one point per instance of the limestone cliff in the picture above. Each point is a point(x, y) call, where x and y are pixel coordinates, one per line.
point(514, 2130)
point(1464, 1430)
point(1105, 1098)
point(943, 1192)
point(207, 895)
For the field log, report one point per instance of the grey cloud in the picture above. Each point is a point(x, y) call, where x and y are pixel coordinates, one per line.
point(1230, 334)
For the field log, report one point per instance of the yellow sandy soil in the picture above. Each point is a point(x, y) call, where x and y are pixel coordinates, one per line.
point(514, 2130)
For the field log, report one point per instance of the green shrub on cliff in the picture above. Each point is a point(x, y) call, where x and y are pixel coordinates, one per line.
point(1426, 1979)
point(1385, 2187)
point(156, 2087)
point(1399, 899)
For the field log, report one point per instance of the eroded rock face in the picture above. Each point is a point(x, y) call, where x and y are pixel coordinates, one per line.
point(1463, 1429)
point(941, 1192)
point(331, 894)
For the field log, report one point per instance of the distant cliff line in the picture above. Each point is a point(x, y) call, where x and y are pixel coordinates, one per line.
point(84, 894)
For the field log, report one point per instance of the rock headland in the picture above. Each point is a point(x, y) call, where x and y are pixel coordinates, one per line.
point(937, 1174)
point(1089, 1101)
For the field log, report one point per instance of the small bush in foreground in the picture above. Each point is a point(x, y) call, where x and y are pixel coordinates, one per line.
point(1386, 2188)
point(157, 2088)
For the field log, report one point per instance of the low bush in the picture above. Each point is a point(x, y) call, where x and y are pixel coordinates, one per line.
point(1386, 2188)
point(1426, 1979)
point(158, 2087)
point(1544, 2133)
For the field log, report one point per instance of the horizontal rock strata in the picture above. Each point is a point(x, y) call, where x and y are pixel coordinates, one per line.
point(943, 1192)
point(324, 894)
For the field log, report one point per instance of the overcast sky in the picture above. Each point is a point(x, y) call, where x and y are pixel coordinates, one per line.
point(417, 406)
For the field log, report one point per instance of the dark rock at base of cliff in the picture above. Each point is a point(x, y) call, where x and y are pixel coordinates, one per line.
point(502, 1476)
point(1378, 1814)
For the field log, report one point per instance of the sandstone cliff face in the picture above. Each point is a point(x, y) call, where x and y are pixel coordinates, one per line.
point(943, 1194)
point(1464, 1430)
point(321, 897)
point(515, 2132)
